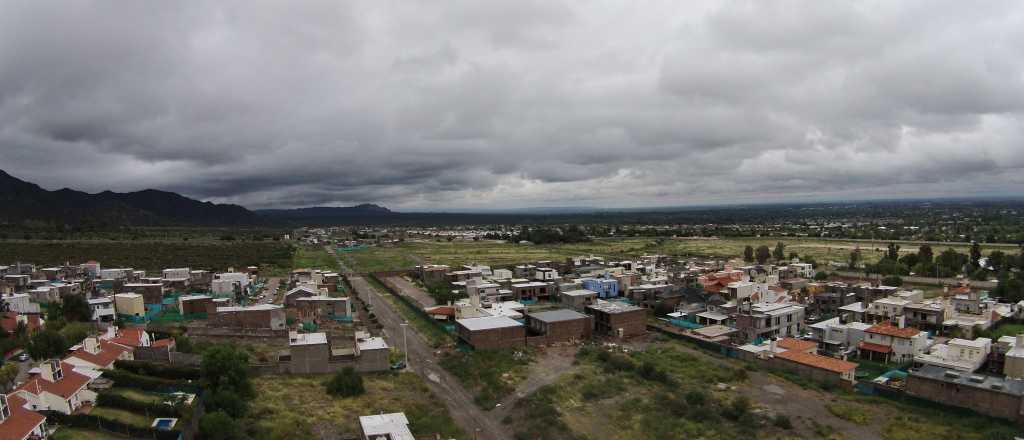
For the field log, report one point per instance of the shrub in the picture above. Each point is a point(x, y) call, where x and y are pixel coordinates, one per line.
point(159, 370)
point(737, 409)
point(132, 380)
point(696, 398)
point(219, 426)
point(346, 383)
point(782, 421)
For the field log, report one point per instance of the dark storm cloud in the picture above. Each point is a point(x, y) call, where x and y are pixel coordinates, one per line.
point(503, 104)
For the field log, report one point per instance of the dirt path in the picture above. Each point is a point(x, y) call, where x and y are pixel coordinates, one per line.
point(413, 291)
point(552, 365)
point(802, 406)
point(423, 361)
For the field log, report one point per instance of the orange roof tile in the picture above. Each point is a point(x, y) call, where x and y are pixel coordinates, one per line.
point(877, 348)
point(70, 384)
point(817, 361)
point(888, 329)
point(797, 344)
point(21, 422)
point(108, 353)
point(129, 337)
point(166, 342)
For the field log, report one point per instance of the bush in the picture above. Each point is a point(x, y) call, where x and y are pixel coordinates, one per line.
point(696, 398)
point(159, 370)
point(147, 383)
point(737, 409)
point(782, 421)
point(346, 383)
point(219, 426)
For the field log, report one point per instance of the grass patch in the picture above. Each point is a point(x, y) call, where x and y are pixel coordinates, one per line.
point(314, 258)
point(849, 412)
point(123, 416)
point(138, 395)
point(490, 375)
point(68, 433)
point(297, 406)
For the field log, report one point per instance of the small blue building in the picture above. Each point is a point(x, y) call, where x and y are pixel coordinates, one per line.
point(605, 287)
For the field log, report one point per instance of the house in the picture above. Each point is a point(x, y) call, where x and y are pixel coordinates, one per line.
point(9, 322)
point(310, 353)
point(545, 274)
point(102, 309)
point(152, 293)
point(957, 354)
point(130, 337)
point(605, 287)
point(263, 316)
point(302, 291)
point(769, 320)
point(323, 306)
point(97, 354)
point(989, 395)
point(927, 315)
point(17, 422)
point(818, 368)
point(1013, 363)
point(532, 291)
point(129, 304)
point(489, 332)
point(562, 325)
point(57, 387)
point(856, 311)
point(432, 274)
point(578, 299)
point(837, 337)
point(886, 308)
point(393, 426)
point(886, 342)
point(20, 302)
point(618, 319)
point(192, 305)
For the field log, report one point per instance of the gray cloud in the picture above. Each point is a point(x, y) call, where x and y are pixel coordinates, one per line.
point(504, 104)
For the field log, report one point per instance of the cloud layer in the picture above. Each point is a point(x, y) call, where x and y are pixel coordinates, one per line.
point(468, 104)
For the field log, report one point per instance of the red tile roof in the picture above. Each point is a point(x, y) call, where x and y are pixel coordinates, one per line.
point(108, 353)
point(440, 310)
point(888, 329)
point(70, 384)
point(166, 342)
point(817, 361)
point(9, 321)
point(797, 344)
point(129, 337)
point(877, 348)
point(21, 422)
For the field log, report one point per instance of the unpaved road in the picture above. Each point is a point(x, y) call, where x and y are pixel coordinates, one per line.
point(423, 361)
point(413, 291)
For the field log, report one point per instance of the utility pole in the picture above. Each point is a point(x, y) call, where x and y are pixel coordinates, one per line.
point(405, 343)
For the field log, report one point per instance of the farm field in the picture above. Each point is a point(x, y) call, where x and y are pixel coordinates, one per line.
point(152, 256)
point(313, 258)
point(289, 407)
point(410, 253)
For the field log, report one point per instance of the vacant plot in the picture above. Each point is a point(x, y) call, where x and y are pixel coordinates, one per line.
point(289, 407)
point(313, 258)
point(489, 374)
point(152, 256)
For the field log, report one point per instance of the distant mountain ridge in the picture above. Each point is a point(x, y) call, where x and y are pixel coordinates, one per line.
point(23, 202)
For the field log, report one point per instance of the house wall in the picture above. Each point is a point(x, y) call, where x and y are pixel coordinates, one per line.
point(494, 338)
point(308, 359)
point(632, 323)
point(816, 374)
point(984, 401)
point(373, 360)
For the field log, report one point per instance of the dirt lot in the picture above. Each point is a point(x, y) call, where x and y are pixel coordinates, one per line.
point(408, 289)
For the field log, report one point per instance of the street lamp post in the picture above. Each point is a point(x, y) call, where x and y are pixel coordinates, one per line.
point(405, 343)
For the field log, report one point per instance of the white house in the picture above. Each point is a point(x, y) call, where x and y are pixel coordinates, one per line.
point(957, 354)
point(17, 422)
point(886, 342)
point(57, 387)
point(102, 309)
point(97, 354)
point(392, 426)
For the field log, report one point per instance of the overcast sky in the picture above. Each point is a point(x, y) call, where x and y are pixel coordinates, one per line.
point(427, 105)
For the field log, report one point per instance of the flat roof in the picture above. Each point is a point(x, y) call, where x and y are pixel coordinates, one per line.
point(324, 298)
point(308, 339)
point(613, 307)
point(557, 315)
point(249, 308)
point(395, 426)
point(580, 292)
point(488, 322)
point(372, 343)
point(990, 383)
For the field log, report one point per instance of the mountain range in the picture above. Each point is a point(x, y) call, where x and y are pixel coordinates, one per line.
point(27, 204)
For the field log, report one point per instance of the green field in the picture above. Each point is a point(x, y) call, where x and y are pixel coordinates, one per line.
point(490, 374)
point(288, 407)
point(410, 253)
point(152, 256)
point(313, 258)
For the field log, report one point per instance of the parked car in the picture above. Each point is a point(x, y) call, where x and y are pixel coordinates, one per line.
point(398, 365)
point(23, 357)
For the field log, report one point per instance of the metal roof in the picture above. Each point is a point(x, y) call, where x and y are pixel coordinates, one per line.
point(488, 323)
point(557, 315)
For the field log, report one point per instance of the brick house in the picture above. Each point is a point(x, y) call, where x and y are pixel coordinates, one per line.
point(560, 325)
point(490, 332)
point(618, 319)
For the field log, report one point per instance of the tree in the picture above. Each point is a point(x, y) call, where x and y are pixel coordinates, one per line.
point(219, 426)
point(8, 373)
point(821, 276)
point(227, 402)
point(893, 253)
point(779, 253)
point(909, 260)
point(45, 344)
point(75, 308)
point(226, 368)
point(346, 383)
point(762, 254)
point(748, 254)
point(855, 258)
point(75, 332)
point(924, 254)
point(975, 254)
point(793, 256)
point(892, 280)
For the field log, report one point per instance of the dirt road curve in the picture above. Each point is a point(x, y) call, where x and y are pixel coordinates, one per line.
point(422, 361)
